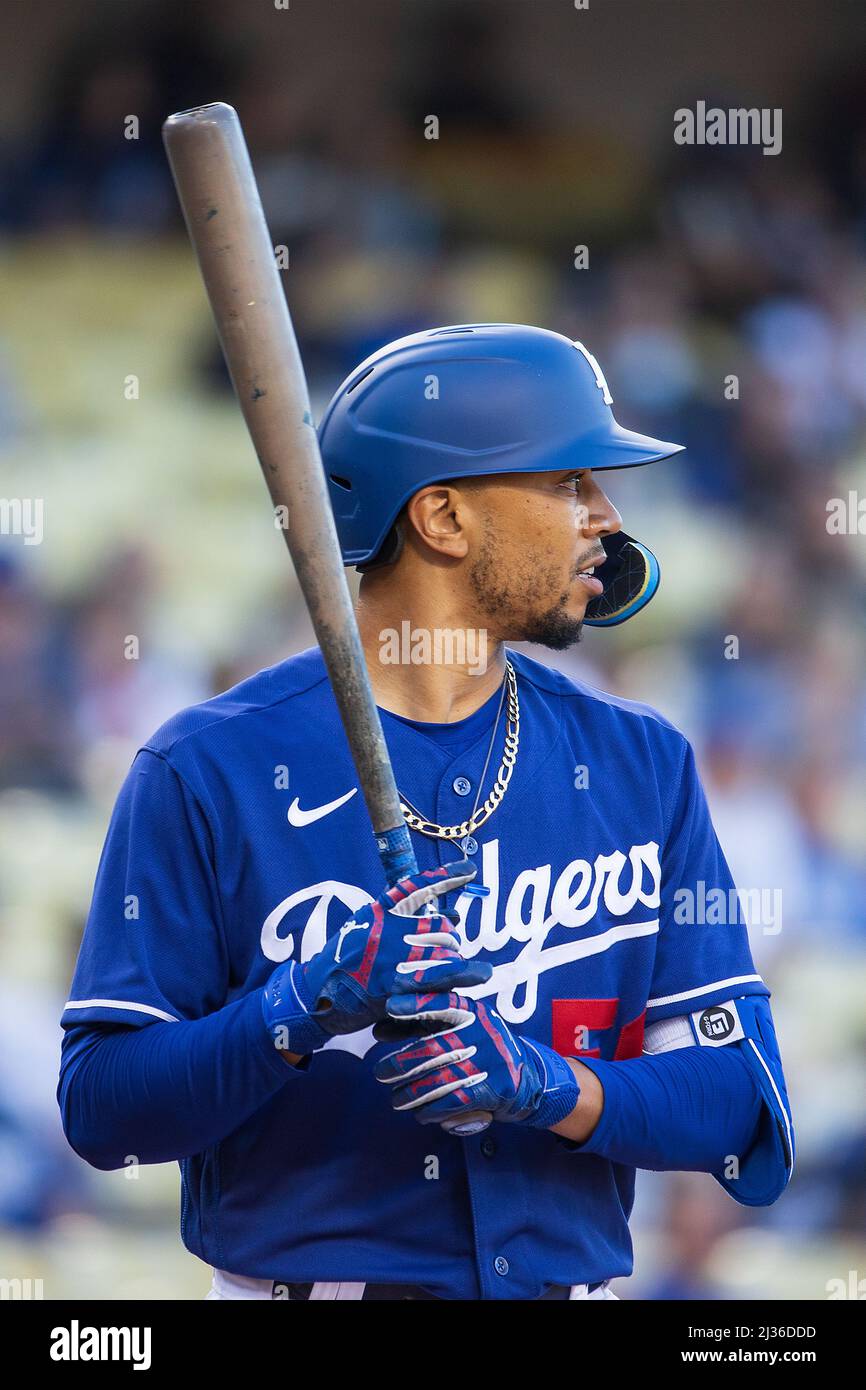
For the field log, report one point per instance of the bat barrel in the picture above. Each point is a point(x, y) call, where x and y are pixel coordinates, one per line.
point(220, 201)
point(226, 223)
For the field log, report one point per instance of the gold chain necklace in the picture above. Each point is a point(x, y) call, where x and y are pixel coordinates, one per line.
point(413, 816)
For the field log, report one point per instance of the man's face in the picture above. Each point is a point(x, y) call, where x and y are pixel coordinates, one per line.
point(537, 537)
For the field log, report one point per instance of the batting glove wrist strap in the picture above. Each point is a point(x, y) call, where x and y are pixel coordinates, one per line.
point(288, 1012)
point(560, 1091)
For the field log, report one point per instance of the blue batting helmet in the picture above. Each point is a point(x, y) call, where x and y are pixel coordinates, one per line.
point(470, 400)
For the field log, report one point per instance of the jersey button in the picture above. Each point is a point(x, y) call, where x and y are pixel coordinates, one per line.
point(462, 786)
point(488, 1147)
point(469, 846)
point(500, 1264)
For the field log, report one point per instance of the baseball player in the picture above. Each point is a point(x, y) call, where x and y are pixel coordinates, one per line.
point(441, 1091)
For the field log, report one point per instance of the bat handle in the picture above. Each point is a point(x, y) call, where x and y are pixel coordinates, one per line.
point(473, 1122)
point(396, 853)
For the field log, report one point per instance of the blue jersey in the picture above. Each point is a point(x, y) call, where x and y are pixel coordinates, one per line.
point(240, 839)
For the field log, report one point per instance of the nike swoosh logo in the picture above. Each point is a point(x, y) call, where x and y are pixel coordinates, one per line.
point(298, 817)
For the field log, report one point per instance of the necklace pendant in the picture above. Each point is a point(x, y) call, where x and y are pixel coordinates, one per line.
point(469, 846)
point(477, 890)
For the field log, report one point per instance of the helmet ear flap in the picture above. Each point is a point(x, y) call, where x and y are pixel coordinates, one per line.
point(389, 551)
point(630, 576)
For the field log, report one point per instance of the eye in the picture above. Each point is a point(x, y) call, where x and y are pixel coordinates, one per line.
point(572, 484)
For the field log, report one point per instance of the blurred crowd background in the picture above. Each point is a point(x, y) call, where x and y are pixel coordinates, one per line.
point(706, 264)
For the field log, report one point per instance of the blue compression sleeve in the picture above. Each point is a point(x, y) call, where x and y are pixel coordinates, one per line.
point(167, 1090)
point(689, 1109)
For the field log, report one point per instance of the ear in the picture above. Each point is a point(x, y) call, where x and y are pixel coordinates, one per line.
point(436, 520)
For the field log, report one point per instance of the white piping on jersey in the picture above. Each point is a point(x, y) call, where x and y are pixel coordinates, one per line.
point(121, 1004)
point(703, 989)
point(782, 1106)
point(500, 979)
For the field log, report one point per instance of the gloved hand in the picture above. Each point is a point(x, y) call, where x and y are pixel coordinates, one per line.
point(389, 946)
point(470, 1062)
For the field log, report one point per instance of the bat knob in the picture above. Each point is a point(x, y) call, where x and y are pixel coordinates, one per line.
point(463, 1125)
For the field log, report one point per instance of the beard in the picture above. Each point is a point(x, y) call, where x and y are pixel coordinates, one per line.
point(554, 629)
point(518, 605)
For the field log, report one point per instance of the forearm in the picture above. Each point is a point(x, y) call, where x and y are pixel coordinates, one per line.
point(694, 1108)
point(168, 1090)
point(579, 1125)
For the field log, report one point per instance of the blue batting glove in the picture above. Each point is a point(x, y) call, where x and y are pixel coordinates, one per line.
point(390, 946)
point(464, 1058)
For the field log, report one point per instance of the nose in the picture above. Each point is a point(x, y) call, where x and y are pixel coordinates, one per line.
point(601, 517)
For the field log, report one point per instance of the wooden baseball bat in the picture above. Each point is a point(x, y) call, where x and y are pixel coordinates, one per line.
point(226, 224)
point(223, 211)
